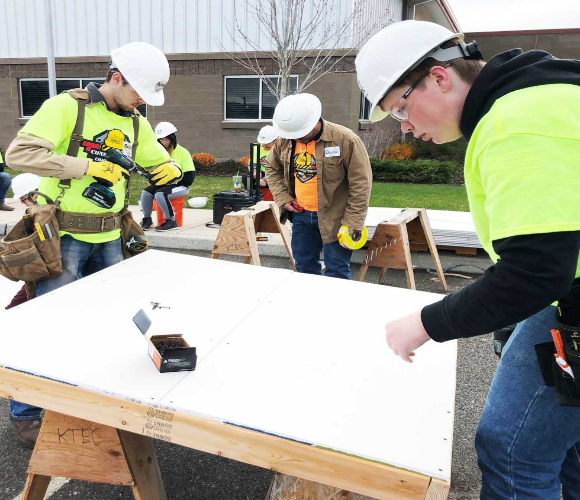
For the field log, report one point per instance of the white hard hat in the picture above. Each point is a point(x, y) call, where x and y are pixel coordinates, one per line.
point(198, 202)
point(146, 69)
point(164, 129)
point(24, 183)
point(296, 115)
point(267, 135)
point(396, 50)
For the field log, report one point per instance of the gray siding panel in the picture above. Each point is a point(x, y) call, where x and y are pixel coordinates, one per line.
point(94, 27)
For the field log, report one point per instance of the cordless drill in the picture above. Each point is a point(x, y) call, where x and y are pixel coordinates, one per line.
point(100, 193)
point(115, 156)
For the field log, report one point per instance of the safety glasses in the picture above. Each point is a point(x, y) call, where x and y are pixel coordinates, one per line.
point(401, 110)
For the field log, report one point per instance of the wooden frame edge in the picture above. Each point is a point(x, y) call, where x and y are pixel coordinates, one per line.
point(366, 477)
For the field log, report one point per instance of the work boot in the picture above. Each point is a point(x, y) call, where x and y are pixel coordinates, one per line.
point(146, 223)
point(6, 208)
point(27, 431)
point(168, 225)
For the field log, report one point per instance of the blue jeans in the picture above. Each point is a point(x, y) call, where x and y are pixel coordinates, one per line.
point(5, 181)
point(528, 445)
point(79, 259)
point(307, 245)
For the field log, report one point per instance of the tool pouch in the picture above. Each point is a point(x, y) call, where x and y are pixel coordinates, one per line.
point(27, 257)
point(567, 387)
point(131, 232)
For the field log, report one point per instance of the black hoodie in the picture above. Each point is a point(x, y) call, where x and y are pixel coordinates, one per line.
point(533, 270)
point(510, 71)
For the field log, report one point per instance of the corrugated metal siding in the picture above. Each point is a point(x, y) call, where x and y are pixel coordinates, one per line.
point(94, 27)
point(387, 11)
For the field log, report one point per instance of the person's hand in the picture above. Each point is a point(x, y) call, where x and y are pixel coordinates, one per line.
point(355, 234)
point(105, 172)
point(167, 173)
point(263, 182)
point(293, 206)
point(406, 334)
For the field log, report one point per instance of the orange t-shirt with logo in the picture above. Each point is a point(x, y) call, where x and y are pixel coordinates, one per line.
point(305, 186)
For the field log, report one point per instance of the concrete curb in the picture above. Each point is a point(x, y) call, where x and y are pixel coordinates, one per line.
point(196, 236)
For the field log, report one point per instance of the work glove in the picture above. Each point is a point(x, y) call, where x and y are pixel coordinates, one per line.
point(105, 172)
point(168, 173)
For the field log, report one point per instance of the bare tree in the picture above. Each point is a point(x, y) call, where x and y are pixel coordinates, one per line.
point(314, 34)
point(377, 139)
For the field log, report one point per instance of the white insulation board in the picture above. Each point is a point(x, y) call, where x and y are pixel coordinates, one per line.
point(84, 333)
point(299, 356)
point(320, 371)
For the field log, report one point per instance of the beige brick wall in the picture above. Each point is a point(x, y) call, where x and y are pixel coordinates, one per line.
point(194, 100)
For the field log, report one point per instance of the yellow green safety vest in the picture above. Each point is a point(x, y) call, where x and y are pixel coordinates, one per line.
point(263, 154)
point(55, 121)
point(182, 157)
point(522, 169)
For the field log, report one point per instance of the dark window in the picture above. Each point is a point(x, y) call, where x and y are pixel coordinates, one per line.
point(365, 107)
point(269, 100)
point(242, 99)
point(248, 98)
point(34, 92)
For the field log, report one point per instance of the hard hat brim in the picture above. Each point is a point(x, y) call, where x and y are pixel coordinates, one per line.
point(377, 114)
point(152, 98)
point(266, 140)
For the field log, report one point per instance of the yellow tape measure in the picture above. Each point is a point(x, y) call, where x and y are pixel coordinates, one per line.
point(345, 239)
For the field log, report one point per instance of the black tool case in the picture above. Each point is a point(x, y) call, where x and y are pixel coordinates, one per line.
point(230, 201)
point(225, 202)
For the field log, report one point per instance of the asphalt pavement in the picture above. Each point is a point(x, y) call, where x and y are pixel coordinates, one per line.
point(192, 475)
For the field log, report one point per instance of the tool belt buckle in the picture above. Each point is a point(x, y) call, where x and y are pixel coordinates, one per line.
point(108, 223)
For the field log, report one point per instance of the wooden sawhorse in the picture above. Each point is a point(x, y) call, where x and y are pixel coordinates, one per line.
point(390, 247)
point(79, 449)
point(237, 233)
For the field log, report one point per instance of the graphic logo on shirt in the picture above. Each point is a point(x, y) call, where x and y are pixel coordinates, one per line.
point(305, 165)
point(97, 148)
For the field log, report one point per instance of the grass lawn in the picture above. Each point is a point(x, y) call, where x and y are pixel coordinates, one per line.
point(433, 196)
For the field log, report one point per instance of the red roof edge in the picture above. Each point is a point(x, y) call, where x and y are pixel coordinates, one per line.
point(555, 31)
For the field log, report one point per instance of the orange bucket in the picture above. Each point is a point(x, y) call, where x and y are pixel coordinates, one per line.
point(177, 204)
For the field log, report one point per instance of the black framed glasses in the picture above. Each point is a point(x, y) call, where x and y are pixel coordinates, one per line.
point(401, 110)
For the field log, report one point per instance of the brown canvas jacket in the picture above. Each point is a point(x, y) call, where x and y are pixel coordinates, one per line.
point(344, 181)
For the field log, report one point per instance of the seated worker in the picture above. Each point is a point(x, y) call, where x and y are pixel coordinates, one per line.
point(266, 138)
point(23, 184)
point(165, 133)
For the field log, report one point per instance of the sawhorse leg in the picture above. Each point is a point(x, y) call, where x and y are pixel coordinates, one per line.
point(79, 449)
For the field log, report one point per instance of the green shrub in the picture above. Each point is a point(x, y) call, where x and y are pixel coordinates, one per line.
point(415, 171)
point(451, 151)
